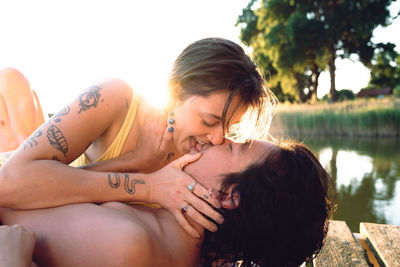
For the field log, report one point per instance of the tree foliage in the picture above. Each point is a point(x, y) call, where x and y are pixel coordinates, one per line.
point(300, 38)
point(385, 67)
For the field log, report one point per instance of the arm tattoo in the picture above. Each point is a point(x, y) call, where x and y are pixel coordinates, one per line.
point(114, 181)
point(90, 98)
point(117, 180)
point(62, 113)
point(130, 185)
point(57, 116)
point(32, 139)
point(57, 139)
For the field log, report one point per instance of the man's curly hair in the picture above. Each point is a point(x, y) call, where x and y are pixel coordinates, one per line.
point(282, 217)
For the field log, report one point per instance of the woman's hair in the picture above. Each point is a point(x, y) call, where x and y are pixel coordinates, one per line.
point(282, 216)
point(215, 64)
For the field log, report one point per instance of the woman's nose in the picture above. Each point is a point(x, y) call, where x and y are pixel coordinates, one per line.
point(216, 137)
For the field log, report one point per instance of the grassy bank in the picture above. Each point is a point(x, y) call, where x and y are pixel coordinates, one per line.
point(362, 117)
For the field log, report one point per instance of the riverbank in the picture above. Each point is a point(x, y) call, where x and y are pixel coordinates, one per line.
point(358, 118)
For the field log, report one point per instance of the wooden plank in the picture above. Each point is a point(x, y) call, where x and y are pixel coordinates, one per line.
point(384, 240)
point(340, 248)
point(370, 254)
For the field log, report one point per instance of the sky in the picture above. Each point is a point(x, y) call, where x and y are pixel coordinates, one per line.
point(63, 47)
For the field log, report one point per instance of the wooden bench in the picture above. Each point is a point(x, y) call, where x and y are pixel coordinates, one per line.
point(376, 245)
point(384, 241)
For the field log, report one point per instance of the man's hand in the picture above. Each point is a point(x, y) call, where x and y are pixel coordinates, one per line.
point(16, 246)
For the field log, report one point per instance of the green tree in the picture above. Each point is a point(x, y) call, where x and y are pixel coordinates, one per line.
point(303, 37)
point(293, 63)
point(385, 67)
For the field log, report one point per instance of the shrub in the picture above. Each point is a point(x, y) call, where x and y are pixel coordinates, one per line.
point(396, 91)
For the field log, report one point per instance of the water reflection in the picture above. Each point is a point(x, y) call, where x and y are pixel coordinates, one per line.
point(367, 175)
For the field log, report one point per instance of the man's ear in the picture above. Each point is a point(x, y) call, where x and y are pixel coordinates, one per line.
point(231, 202)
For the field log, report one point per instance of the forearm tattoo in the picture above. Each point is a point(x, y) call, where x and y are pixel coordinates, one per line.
point(31, 141)
point(57, 139)
point(90, 98)
point(130, 185)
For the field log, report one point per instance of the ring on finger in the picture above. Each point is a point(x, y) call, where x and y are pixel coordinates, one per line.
point(191, 186)
point(185, 208)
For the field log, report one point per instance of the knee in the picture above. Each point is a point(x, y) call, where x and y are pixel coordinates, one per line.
point(11, 78)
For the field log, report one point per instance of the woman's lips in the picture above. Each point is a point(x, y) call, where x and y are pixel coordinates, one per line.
point(199, 147)
point(194, 143)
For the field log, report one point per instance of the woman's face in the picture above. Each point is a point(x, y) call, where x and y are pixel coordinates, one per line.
point(198, 120)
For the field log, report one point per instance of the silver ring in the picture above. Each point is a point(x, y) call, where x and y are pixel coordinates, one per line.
point(191, 186)
point(185, 208)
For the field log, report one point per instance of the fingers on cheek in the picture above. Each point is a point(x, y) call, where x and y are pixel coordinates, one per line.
point(186, 226)
point(197, 217)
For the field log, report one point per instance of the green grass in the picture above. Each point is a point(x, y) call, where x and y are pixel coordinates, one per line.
point(362, 117)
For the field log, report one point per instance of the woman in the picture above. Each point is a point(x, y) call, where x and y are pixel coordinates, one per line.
point(213, 84)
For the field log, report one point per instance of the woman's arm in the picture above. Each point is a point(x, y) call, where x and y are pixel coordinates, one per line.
point(37, 174)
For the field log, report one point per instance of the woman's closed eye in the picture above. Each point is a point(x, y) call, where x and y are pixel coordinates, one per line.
point(208, 124)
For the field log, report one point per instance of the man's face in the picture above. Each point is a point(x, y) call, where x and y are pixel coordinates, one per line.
point(224, 159)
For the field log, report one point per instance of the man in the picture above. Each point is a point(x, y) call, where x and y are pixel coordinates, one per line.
point(274, 199)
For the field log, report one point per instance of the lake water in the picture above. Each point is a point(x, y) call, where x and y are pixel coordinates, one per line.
point(367, 175)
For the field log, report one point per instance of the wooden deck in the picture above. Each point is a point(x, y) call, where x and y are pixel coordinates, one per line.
point(376, 245)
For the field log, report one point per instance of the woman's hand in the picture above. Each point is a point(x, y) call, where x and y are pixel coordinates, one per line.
point(16, 246)
point(178, 192)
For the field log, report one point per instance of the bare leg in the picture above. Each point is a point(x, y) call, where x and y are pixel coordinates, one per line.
point(20, 110)
point(77, 235)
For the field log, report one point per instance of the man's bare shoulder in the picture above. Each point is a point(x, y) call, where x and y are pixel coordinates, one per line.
point(162, 241)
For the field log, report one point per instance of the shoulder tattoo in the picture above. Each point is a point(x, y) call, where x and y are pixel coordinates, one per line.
point(90, 98)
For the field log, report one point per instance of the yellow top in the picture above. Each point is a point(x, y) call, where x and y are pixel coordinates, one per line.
point(114, 150)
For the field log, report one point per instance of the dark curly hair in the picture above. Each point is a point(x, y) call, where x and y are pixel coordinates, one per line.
point(216, 64)
point(281, 220)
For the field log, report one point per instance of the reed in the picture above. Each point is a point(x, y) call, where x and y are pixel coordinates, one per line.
point(361, 117)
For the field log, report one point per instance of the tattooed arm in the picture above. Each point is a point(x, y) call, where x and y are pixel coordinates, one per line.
point(37, 175)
